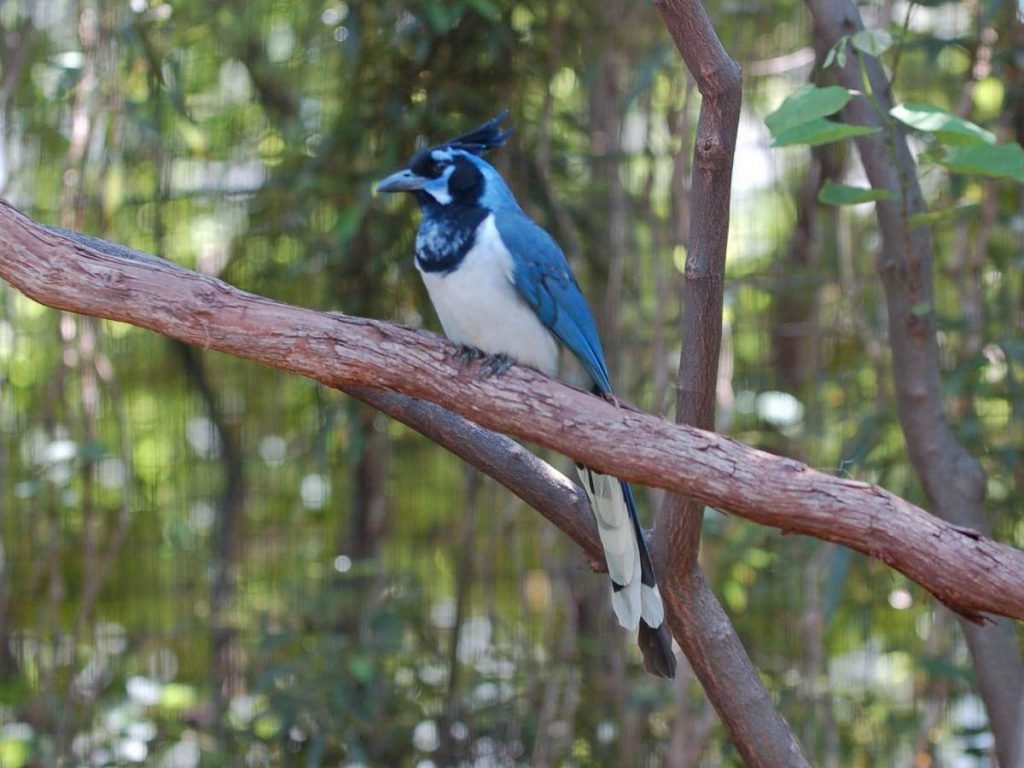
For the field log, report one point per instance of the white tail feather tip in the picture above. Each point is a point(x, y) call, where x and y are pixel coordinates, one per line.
point(651, 607)
point(626, 604)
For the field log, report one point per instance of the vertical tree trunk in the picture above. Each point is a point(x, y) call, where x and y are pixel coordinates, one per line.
point(698, 621)
point(953, 479)
point(368, 462)
point(224, 671)
point(606, 145)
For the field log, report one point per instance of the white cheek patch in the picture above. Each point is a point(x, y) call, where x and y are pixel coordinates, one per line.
point(439, 191)
point(438, 188)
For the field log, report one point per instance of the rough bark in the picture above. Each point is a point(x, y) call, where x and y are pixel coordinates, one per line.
point(963, 568)
point(698, 620)
point(953, 479)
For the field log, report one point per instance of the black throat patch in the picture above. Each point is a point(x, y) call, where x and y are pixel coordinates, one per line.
point(446, 235)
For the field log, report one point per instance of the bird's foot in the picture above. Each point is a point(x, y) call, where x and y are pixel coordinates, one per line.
point(466, 354)
point(495, 365)
point(490, 365)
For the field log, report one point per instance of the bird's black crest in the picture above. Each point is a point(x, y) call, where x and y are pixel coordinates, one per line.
point(487, 136)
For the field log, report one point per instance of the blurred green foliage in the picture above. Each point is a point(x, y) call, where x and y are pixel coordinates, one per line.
point(203, 563)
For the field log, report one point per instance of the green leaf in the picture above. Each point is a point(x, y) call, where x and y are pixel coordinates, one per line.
point(388, 630)
point(942, 668)
point(361, 667)
point(177, 697)
point(841, 194)
point(873, 42)
point(933, 217)
point(837, 51)
point(91, 450)
point(486, 8)
point(14, 753)
point(921, 309)
point(441, 18)
point(1005, 161)
point(805, 105)
point(947, 127)
point(267, 726)
point(820, 131)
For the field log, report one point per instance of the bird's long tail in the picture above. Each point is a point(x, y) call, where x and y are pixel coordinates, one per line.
point(635, 596)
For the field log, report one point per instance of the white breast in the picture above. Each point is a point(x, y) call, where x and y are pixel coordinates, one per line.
point(478, 305)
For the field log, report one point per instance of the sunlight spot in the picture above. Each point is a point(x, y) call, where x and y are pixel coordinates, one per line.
point(314, 490)
point(900, 599)
point(143, 690)
point(425, 736)
point(111, 472)
point(442, 614)
point(202, 436)
point(273, 450)
point(779, 408)
point(606, 732)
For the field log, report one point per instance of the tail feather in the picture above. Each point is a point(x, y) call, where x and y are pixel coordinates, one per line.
point(626, 603)
point(656, 646)
point(618, 539)
point(636, 600)
point(651, 607)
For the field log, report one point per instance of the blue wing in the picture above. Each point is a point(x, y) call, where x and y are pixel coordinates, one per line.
point(543, 277)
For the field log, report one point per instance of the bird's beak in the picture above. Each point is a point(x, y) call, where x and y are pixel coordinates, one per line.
point(402, 181)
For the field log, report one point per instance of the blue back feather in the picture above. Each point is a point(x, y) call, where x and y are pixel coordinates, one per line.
point(543, 277)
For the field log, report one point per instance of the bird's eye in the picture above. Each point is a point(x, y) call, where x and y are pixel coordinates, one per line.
point(435, 168)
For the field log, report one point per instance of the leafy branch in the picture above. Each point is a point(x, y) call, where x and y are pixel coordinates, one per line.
point(952, 478)
point(808, 117)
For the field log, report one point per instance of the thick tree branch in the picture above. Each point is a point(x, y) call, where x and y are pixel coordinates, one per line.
point(532, 479)
point(705, 633)
point(953, 479)
point(967, 571)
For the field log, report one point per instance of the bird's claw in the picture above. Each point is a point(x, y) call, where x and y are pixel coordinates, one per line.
point(495, 365)
point(467, 354)
point(490, 365)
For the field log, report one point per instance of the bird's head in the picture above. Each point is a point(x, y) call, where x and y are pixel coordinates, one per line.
point(454, 173)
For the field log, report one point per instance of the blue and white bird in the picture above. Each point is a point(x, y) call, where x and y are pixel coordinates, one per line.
point(501, 284)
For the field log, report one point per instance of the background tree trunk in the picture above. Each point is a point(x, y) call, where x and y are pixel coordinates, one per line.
point(952, 478)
